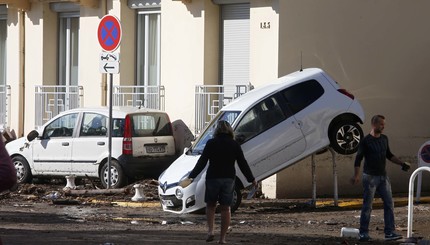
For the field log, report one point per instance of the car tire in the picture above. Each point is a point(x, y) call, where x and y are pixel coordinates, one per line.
point(237, 198)
point(118, 178)
point(23, 171)
point(345, 137)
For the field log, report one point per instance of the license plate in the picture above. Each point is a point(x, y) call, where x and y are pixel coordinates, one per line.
point(167, 203)
point(155, 149)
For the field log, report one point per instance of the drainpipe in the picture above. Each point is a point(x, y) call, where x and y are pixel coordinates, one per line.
point(21, 92)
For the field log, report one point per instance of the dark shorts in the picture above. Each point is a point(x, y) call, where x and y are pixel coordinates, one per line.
point(219, 190)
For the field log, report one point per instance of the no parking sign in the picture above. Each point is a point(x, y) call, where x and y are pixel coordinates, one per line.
point(423, 161)
point(424, 154)
point(109, 33)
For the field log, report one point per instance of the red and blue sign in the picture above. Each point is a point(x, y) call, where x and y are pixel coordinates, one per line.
point(109, 33)
point(425, 153)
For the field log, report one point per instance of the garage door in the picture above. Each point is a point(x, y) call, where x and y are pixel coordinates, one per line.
point(235, 46)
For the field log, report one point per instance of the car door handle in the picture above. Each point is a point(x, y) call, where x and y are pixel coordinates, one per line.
point(298, 124)
point(65, 144)
point(101, 143)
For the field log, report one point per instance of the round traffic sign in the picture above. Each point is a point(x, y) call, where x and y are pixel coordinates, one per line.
point(425, 153)
point(109, 33)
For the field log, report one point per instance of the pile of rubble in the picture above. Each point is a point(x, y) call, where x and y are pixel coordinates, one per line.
point(56, 192)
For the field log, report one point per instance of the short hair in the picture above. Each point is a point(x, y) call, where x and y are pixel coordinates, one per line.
point(376, 118)
point(223, 127)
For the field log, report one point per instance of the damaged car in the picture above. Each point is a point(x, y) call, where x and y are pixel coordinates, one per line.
point(277, 125)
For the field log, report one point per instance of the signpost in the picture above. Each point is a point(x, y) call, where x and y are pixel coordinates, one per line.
point(109, 35)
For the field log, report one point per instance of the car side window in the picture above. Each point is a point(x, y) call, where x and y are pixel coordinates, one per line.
point(302, 95)
point(61, 127)
point(93, 124)
point(261, 117)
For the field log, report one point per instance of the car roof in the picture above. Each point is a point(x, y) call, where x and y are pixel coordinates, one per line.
point(117, 111)
point(255, 95)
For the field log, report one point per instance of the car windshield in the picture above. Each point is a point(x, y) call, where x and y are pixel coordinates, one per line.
point(229, 116)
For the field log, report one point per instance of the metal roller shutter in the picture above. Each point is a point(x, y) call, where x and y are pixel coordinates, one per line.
point(235, 45)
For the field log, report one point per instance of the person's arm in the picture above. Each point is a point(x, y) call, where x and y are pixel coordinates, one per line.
point(244, 167)
point(390, 156)
point(358, 158)
point(201, 163)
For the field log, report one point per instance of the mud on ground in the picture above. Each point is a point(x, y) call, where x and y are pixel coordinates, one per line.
point(28, 216)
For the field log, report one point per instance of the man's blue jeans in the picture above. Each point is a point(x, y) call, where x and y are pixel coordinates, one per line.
point(382, 185)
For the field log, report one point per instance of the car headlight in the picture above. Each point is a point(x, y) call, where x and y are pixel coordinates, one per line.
point(178, 193)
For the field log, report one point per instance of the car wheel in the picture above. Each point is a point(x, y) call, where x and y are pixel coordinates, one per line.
point(237, 198)
point(345, 137)
point(118, 179)
point(23, 171)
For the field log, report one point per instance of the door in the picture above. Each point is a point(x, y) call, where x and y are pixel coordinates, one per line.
point(91, 144)
point(52, 152)
point(271, 137)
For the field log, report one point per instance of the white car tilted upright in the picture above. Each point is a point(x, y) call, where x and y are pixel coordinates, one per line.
point(277, 125)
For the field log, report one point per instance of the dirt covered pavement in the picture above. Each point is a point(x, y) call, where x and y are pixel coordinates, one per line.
point(28, 216)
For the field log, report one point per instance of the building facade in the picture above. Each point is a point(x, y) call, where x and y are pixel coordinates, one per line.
point(191, 57)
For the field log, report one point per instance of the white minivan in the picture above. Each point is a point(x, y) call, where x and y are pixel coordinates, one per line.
point(75, 142)
point(277, 125)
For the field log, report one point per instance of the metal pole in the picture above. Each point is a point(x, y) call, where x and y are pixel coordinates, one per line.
point(335, 193)
point(314, 182)
point(110, 130)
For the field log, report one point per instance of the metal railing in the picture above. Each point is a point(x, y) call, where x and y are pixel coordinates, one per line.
point(411, 197)
point(51, 100)
point(152, 97)
point(209, 99)
point(4, 105)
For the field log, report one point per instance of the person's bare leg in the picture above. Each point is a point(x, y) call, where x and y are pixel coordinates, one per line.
point(225, 222)
point(210, 216)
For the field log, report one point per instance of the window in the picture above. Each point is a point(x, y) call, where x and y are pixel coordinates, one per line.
point(151, 124)
point(229, 116)
point(302, 95)
point(261, 117)
point(148, 48)
point(61, 127)
point(68, 48)
point(93, 124)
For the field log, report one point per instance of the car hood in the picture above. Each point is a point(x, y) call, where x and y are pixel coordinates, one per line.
point(14, 146)
point(181, 167)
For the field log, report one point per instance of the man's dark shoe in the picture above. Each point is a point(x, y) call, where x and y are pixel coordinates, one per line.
point(364, 238)
point(392, 237)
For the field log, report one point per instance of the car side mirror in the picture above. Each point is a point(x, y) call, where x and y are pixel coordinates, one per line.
point(32, 135)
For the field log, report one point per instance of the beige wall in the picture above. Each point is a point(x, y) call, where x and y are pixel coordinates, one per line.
point(188, 55)
point(13, 71)
point(34, 55)
point(264, 41)
point(375, 52)
point(89, 51)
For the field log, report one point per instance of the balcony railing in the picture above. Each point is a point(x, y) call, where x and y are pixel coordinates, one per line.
point(145, 96)
point(51, 100)
point(4, 105)
point(209, 99)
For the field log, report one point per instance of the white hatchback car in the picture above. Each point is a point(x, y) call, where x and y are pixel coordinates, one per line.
point(277, 125)
point(75, 142)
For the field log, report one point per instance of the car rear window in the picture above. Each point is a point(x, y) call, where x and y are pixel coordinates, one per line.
point(151, 124)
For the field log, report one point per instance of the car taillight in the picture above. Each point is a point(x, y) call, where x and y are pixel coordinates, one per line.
point(127, 143)
point(345, 92)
